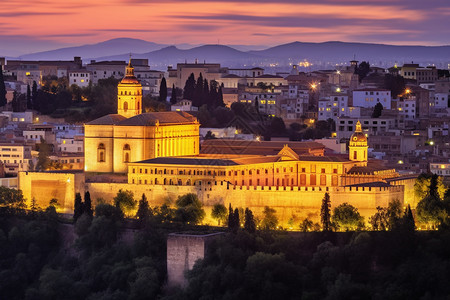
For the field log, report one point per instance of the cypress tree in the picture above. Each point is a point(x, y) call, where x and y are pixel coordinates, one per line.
point(15, 102)
point(257, 105)
point(198, 92)
point(236, 221)
point(249, 224)
point(325, 213)
point(230, 216)
point(163, 90)
point(220, 98)
point(205, 94)
point(189, 88)
point(2, 88)
point(409, 219)
point(88, 204)
point(78, 207)
point(29, 104)
point(173, 98)
point(143, 211)
point(34, 92)
point(212, 98)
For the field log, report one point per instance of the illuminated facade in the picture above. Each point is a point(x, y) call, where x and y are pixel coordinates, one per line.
point(358, 147)
point(112, 141)
point(129, 94)
point(159, 153)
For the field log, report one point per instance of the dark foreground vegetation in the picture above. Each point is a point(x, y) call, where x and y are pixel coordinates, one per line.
point(105, 260)
point(101, 254)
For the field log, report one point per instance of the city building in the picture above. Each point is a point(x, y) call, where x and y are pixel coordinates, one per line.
point(82, 78)
point(112, 141)
point(158, 154)
point(15, 158)
point(369, 97)
point(106, 69)
point(426, 75)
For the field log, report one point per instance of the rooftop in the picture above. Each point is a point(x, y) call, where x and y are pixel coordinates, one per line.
point(163, 118)
point(111, 119)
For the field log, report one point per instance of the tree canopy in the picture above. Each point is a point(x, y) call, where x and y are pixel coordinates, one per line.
point(347, 217)
point(189, 209)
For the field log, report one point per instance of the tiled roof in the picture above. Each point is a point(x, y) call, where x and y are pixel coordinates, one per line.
point(371, 168)
point(111, 119)
point(193, 161)
point(222, 146)
point(323, 158)
point(231, 76)
point(167, 117)
point(269, 76)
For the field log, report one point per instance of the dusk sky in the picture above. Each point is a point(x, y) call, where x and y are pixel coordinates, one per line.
point(29, 26)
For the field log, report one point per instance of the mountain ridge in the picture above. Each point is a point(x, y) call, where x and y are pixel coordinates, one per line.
point(329, 51)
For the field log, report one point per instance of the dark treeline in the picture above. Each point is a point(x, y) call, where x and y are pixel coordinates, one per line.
point(46, 257)
point(202, 92)
point(365, 265)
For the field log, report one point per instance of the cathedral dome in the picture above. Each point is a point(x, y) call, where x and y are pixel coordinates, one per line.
point(129, 76)
point(358, 136)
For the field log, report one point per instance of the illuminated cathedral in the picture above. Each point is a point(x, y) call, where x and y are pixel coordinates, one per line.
point(112, 141)
point(158, 154)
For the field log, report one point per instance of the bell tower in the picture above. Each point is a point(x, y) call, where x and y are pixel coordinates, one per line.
point(129, 94)
point(357, 148)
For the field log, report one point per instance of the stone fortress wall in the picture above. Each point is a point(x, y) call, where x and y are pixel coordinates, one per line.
point(294, 203)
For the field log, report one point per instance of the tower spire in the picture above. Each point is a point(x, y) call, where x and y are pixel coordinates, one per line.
point(358, 127)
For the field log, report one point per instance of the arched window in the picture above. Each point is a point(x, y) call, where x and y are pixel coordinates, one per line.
point(101, 153)
point(126, 153)
point(125, 106)
point(139, 105)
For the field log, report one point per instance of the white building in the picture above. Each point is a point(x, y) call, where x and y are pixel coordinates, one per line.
point(372, 126)
point(407, 108)
point(441, 100)
point(82, 78)
point(253, 72)
point(21, 117)
point(183, 105)
point(441, 169)
point(29, 76)
point(333, 107)
point(15, 157)
point(369, 97)
point(269, 102)
point(72, 145)
point(106, 69)
point(295, 102)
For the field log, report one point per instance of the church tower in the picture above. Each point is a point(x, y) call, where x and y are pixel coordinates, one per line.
point(129, 98)
point(357, 147)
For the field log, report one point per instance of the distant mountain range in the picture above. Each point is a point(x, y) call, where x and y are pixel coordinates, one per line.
point(321, 53)
point(106, 48)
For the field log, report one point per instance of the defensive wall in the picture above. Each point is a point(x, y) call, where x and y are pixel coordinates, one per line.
point(292, 204)
point(42, 187)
